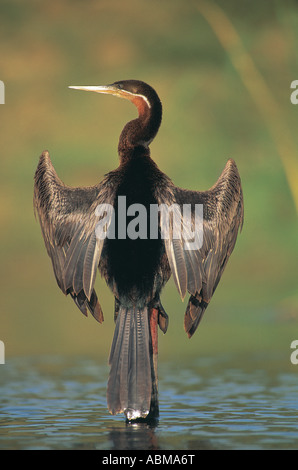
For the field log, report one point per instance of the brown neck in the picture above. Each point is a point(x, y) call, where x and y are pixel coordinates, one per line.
point(141, 131)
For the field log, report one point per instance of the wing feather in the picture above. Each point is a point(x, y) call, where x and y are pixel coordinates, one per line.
point(199, 270)
point(68, 219)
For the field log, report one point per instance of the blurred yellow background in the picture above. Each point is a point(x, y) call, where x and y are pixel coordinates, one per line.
point(223, 72)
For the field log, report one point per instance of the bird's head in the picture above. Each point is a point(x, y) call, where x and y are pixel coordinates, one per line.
point(142, 95)
point(142, 130)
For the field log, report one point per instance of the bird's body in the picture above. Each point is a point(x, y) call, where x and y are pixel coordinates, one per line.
point(136, 265)
point(132, 264)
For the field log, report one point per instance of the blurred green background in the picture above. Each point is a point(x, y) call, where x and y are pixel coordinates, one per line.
point(223, 75)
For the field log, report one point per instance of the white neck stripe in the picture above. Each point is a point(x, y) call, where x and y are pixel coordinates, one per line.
point(140, 96)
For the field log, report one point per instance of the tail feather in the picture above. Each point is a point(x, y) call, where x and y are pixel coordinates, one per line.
point(130, 382)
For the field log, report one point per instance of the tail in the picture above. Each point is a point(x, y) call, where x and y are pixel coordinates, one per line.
point(130, 380)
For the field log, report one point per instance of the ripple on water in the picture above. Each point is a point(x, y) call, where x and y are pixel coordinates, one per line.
point(58, 403)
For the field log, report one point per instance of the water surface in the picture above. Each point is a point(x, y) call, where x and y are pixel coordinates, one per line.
point(60, 403)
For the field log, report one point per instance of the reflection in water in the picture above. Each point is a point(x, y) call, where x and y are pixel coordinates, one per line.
point(58, 403)
point(134, 436)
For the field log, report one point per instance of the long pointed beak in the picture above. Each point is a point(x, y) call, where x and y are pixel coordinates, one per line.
point(108, 89)
point(116, 91)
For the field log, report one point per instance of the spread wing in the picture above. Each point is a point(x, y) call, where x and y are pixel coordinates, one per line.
point(197, 263)
point(68, 220)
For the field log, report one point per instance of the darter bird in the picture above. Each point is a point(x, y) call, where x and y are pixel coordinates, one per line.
point(136, 268)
